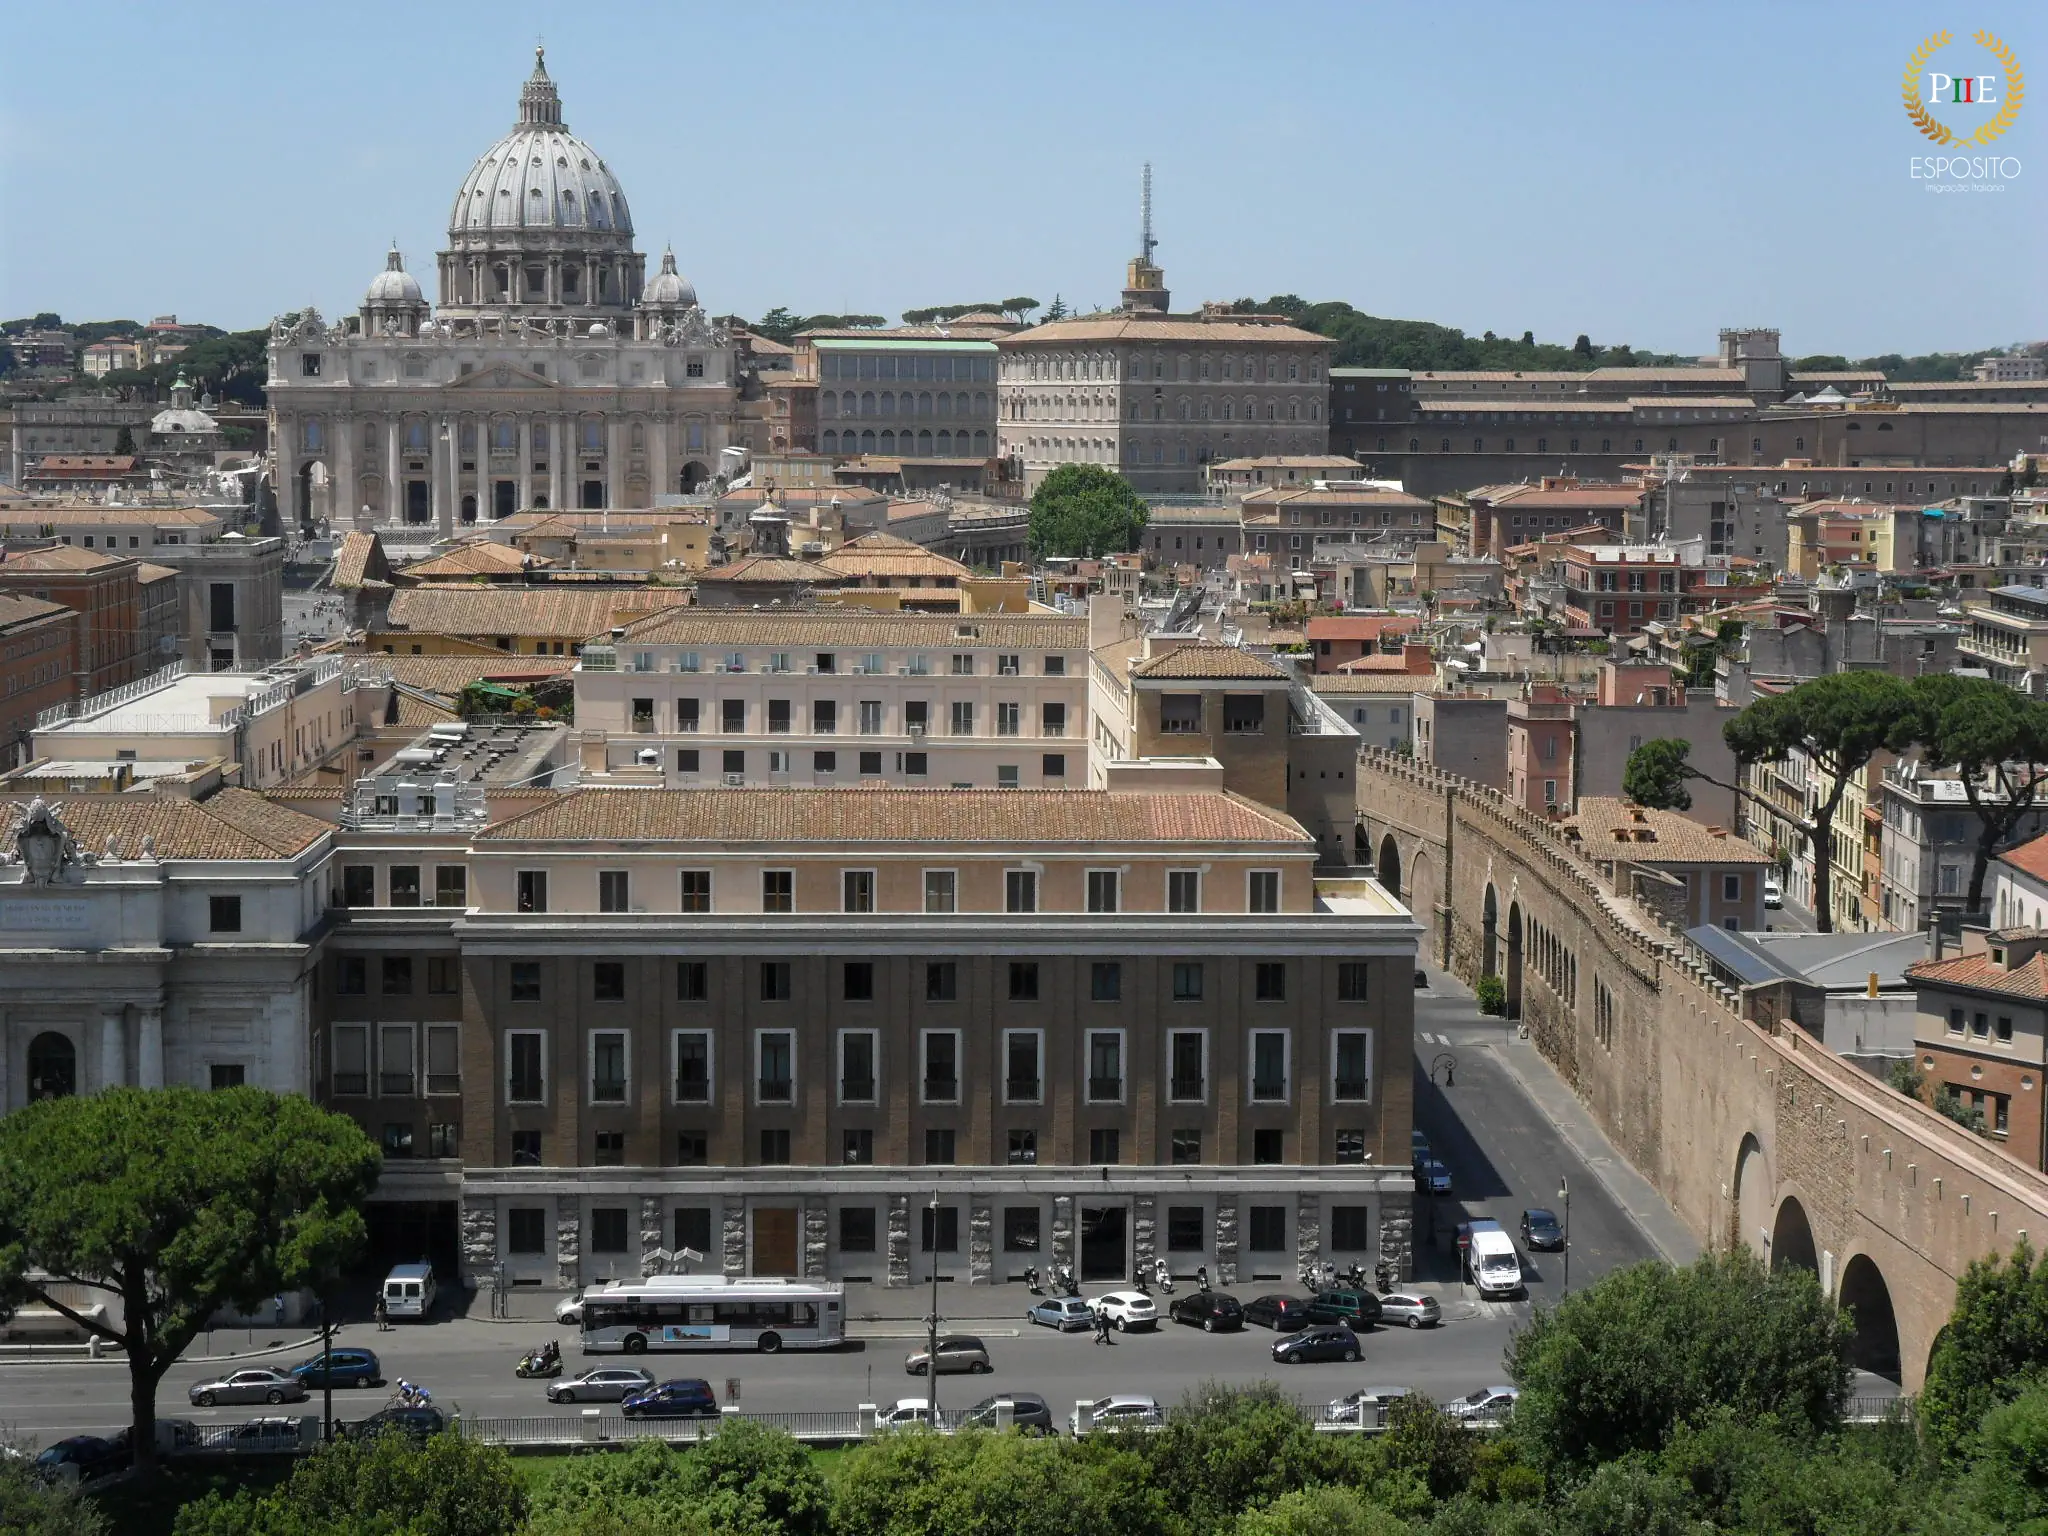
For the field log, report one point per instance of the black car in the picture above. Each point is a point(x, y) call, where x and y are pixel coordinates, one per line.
point(88, 1457)
point(1540, 1229)
point(350, 1368)
point(1211, 1311)
point(689, 1398)
point(1029, 1412)
point(416, 1422)
point(1326, 1341)
point(1353, 1309)
point(1282, 1314)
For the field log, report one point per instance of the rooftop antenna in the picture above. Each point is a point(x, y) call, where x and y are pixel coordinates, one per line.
point(1146, 244)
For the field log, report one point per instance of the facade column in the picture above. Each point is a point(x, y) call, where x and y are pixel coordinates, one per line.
point(615, 463)
point(149, 1063)
point(394, 501)
point(658, 428)
point(525, 496)
point(554, 280)
point(558, 464)
point(113, 1045)
point(343, 507)
point(443, 465)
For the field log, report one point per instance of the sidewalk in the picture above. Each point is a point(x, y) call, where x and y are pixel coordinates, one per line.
point(1636, 1195)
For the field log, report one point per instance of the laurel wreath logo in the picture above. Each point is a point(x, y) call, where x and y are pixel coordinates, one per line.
point(1931, 126)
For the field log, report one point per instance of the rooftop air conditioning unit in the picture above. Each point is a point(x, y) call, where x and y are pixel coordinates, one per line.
point(903, 671)
point(917, 730)
point(735, 781)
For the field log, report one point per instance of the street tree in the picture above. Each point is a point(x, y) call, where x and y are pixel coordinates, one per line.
point(174, 1203)
point(1085, 510)
point(1998, 738)
point(1995, 1342)
point(1656, 774)
point(1020, 307)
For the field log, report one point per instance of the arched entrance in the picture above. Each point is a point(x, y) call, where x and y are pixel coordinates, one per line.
point(1792, 1238)
point(1752, 1196)
point(303, 510)
point(1874, 1347)
point(52, 1067)
point(1390, 865)
point(693, 475)
point(1513, 978)
point(1422, 892)
point(1361, 845)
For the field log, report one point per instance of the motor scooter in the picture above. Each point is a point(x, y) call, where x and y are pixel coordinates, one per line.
point(1162, 1276)
point(540, 1363)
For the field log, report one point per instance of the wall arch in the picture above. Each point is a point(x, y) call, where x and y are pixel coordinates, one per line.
point(52, 1066)
point(1423, 898)
point(1390, 864)
point(1792, 1244)
point(1513, 976)
point(1489, 934)
point(1752, 1192)
point(1874, 1347)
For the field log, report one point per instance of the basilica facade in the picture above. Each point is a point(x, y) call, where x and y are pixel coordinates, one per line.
point(552, 372)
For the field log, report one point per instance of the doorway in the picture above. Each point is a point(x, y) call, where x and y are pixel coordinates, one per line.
point(775, 1237)
point(418, 509)
point(504, 498)
point(1105, 1245)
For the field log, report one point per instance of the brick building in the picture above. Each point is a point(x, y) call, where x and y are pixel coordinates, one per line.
point(38, 647)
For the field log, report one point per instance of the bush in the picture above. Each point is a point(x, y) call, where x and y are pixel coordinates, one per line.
point(1492, 993)
point(442, 1486)
point(747, 1480)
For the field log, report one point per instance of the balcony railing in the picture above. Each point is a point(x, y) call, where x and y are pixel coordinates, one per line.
point(693, 1090)
point(856, 1089)
point(1269, 1088)
point(1185, 1088)
point(444, 1082)
point(1351, 1088)
point(351, 1085)
point(394, 1085)
point(1021, 1087)
point(774, 1090)
point(942, 1088)
point(1105, 1087)
point(608, 1090)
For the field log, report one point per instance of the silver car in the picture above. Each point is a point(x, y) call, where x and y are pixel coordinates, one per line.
point(607, 1384)
point(1485, 1404)
point(1120, 1410)
point(957, 1353)
point(1412, 1308)
point(252, 1386)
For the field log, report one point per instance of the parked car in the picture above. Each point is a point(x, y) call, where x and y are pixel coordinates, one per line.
point(688, 1398)
point(348, 1368)
point(1411, 1309)
point(1354, 1309)
point(1486, 1403)
point(261, 1385)
point(1368, 1408)
point(1540, 1229)
point(1325, 1341)
point(1418, 1145)
point(416, 1422)
point(1066, 1313)
point(1120, 1410)
point(274, 1435)
point(80, 1459)
point(1126, 1310)
point(1210, 1311)
point(1421, 979)
point(903, 1412)
point(958, 1353)
point(1774, 892)
point(1029, 1412)
point(606, 1384)
point(569, 1312)
point(1432, 1177)
point(1282, 1314)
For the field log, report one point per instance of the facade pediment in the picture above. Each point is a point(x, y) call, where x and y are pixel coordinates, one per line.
point(502, 376)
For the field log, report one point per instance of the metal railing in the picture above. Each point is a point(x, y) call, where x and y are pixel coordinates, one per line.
point(100, 703)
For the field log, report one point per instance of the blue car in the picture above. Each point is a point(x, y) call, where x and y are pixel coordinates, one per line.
point(686, 1399)
point(350, 1368)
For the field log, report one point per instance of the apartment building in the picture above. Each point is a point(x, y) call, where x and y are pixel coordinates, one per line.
point(2006, 633)
point(1690, 874)
point(1982, 1033)
point(692, 698)
point(1305, 523)
point(38, 643)
point(1102, 1026)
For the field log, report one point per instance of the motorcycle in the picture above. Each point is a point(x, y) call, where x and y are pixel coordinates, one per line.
point(540, 1363)
point(1063, 1280)
point(1162, 1276)
point(1383, 1277)
point(1031, 1281)
point(1354, 1277)
point(1316, 1277)
point(1202, 1276)
point(1138, 1284)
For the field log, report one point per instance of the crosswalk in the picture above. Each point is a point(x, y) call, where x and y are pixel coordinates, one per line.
point(1427, 1038)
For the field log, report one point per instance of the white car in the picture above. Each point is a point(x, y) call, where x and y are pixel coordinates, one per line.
point(1486, 1403)
point(570, 1313)
point(1774, 892)
point(1126, 1310)
point(1121, 1410)
point(904, 1412)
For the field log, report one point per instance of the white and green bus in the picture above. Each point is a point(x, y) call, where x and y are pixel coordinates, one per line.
point(712, 1312)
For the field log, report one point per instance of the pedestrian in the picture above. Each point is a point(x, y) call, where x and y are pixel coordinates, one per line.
point(1102, 1329)
point(383, 1316)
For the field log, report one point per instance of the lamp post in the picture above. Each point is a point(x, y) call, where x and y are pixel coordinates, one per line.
point(1564, 1196)
point(326, 1368)
point(931, 1355)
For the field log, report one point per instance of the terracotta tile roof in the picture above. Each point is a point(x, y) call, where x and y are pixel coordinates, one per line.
point(1691, 402)
point(883, 554)
point(572, 614)
point(149, 575)
point(1671, 839)
point(852, 629)
point(1497, 375)
point(2030, 858)
point(1292, 461)
point(1339, 683)
point(770, 570)
point(481, 558)
point(1378, 662)
point(1275, 495)
point(449, 675)
point(359, 559)
point(26, 610)
point(1981, 973)
point(84, 463)
point(1525, 497)
point(866, 816)
point(1202, 661)
point(56, 557)
point(1118, 327)
point(93, 512)
point(230, 824)
point(1360, 626)
point(1228, 515)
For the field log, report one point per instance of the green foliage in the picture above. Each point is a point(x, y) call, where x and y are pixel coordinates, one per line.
point(777, 325)
point(1950, 1103)
point(1421, 1438)
point(1085, 510)
point(1320, 1511)
point(124, 440)
point(2007, 1483)
point(1492, 994)
point(1998, 737)
point(1656, 774)
point(1021, 307)
point(1613, 1369)
point(1057, 310)
point(1366, 341)
point(1905, 1078)
point(31, 1507)
point(748, 1480)
point(978, 1484)
point(944, 312)
point(387, 1485)
point(1995, 1344)
point(1231, 1447)
point(177, 1202)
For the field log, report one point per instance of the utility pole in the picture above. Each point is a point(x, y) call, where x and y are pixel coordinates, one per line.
point(327, 1368)
point(1564, 1195)
point(931, 1357)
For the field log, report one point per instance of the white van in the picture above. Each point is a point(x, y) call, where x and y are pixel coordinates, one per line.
point(409, 1291)
point(1496, 1267)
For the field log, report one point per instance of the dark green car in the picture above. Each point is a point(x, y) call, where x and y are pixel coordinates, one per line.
point(1358, 1309)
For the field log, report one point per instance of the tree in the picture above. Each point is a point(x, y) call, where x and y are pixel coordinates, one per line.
point(175, 1202)
point(777, 325)
point(1319, 1511)
point(1057, 310)
point(748, 1480)
point(1839, 722)
point(388, 1484)
point(1996, 1337)
point(1423, 1439)
point(1997, 738)
point(981, 1484)
point(1656, 774)
point(1230, 1447)
point(1020, 307)
point(2008, 1479)
point(31, 1507)
point(1614, 1368)
point(124, 441)
point(1085, 510)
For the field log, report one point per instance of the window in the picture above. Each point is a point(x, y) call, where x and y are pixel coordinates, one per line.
point(857, 1229)
point(1053, 765)
point(1186, 1148)
point(857, 1148)
point(1008, 719)
point(451, 885)
point(1180, 714)
point(857, 1049)
point(824, 762)
point(608, 1229)
point(1353, 1064)
point(608, 981)
point(608, 1066)
point(395, 1079)
point(1023, 1146)
point(775, 981)
point(444, 1058)
point(1186, 1050)
point(1351, 1146)
point(526, 1229)
point(1020, 1228)
point(733, 760)
point(526, 1149)
point(778, 890)
point(1105, 1065)
point(1351, 981)
point(1055, 666)
point(940, 1230)
point(226, 1074)
point(857, 890)
point(396, 978)
point(1020, 1066)
point(1269, 1064)
point(1351, 1228)
point(939, 1144)
point(1731, 887)
point(2003, 1031)
point(525, 1079)
point(732, 716)
point(693, 1066)
point(1955, 1021)
point(1266, 1228)
point(1244, 714)
point(533, 890)
point(1102, 890)
point(610, 1150)
point(963, 664)
point(358, 885)
point(775, 1147)
point(775, 1057)
point(397, 1139)
point(1187, 981)
point(693, 1228)
point(1052, 720)
point(857, 981)
point(1269, 981)
point(693, 981)
point(1006, 777)
point(1105, 981)
point(940, 886)
point(1262, 890)
point(524, 977)
point(224, 914)
point(611, 890)
point(1020, 890)
point(693, 1150)
point(1183, 890)
point(1023, 981)
point(444, 975)
point(1266, 1147)
point(963, 717)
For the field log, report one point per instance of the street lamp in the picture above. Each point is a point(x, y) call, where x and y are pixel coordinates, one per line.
point(931, 1354)
point(1564, 1197)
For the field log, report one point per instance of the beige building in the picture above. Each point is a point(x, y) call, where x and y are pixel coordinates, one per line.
point(692, 698)
point(1693, 875)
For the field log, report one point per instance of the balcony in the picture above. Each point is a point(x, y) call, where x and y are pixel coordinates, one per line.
point(1189, 1088)
point(773, 1090)
point(1269, 1088)
point(444, 1082)
point(1105, 1088)
point(693, 1090)
point(1351, 1088)
point(394, 1085)
point(856, 1090)
point(942, 1089)
point(351, 1085)
point(1020, 1087)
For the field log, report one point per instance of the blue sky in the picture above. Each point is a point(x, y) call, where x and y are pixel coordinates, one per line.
point(1644, 172)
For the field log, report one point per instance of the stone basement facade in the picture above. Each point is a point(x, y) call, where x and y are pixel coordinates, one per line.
point(769, 1024)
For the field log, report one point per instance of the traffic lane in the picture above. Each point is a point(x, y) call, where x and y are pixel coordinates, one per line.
point(476, 1374)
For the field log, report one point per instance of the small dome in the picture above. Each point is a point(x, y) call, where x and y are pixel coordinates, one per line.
point(394, 285)
point(670, 287)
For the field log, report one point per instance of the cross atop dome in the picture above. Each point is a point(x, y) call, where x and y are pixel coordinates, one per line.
point(540, 106)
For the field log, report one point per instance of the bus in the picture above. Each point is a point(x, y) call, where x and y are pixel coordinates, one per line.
point(703, 1312)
